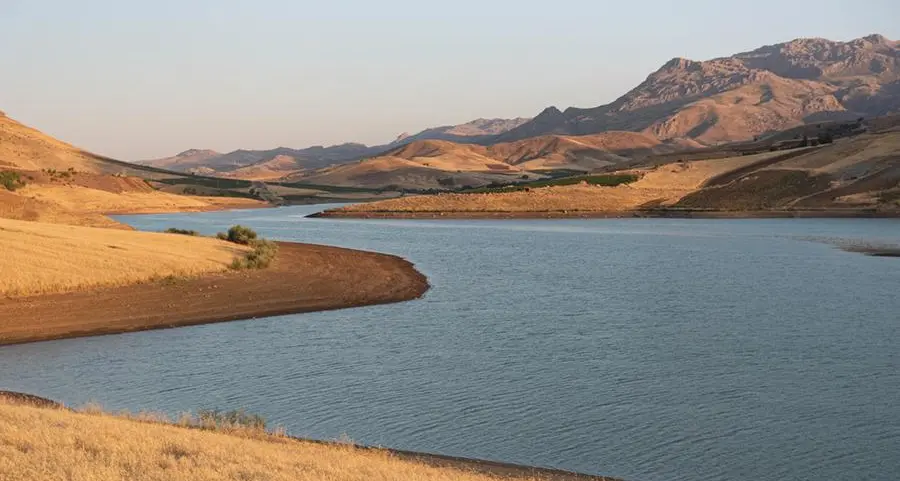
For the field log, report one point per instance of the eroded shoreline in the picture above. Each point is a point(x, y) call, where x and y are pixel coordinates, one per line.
point(304, 278)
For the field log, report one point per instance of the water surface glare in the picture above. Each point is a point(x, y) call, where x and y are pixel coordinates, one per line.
point(652, 350)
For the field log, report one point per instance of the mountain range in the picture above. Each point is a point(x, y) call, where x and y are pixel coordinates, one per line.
point(685, 102)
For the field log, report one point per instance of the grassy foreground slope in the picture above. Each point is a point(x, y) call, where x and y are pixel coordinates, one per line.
point(43, 258)
point(44, 444)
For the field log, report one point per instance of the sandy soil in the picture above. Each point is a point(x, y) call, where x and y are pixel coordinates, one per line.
point(303, 278)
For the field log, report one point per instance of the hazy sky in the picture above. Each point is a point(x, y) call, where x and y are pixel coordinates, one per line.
point(148, 79)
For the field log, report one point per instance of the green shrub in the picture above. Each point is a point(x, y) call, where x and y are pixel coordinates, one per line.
point(173, 230)
point(11, 180)
point(239, 418)
point(262, 254)
point(260, 257)
point(605, 180)
point(239, 235)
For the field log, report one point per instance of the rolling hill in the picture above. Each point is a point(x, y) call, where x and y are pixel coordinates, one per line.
point(685, 104)
point(439, 164)
point(267, 164)
point(857, 175)
point(45, 179)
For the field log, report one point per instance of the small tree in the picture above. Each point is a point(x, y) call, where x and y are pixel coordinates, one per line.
point(241, 235)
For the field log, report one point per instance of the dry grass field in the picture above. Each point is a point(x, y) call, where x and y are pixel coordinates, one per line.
point(23, 147)
point(43, 444)
point(860, 172)
point(79, 199)
point(42, 258)
point(665, 185)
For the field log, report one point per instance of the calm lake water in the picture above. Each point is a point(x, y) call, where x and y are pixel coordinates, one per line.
point(651, 350)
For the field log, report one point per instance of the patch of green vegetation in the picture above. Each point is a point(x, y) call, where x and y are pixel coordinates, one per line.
point(606, 180)
point(239, 235)
point(262, 255)
point(60, 174)
point(213, 182)
point(327, 188)
point(174, 230)
point(263, 251)
point(239, 418)
point(11, 180)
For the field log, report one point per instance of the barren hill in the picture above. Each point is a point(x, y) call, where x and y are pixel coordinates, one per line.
point(211, 162)
point(859, 175)
point(433, 164)
point(283, 161)
point(22, 147)
point(749, 94)
point(468, 132)
point(45, 179)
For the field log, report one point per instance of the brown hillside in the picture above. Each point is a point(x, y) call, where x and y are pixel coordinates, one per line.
point(746, 95)
point(60, 183)
point(397, 172)
point(586, 152)
point(437, 164)
point(276, 168)
point(24, 148)
point(185, 161)
point(861, 173)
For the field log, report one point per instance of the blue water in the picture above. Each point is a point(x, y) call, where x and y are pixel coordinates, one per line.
point(645, 349)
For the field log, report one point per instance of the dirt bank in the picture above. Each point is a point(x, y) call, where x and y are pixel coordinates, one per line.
point(304, 278)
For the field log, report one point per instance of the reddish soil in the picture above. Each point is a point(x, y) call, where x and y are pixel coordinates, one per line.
point(304, 278)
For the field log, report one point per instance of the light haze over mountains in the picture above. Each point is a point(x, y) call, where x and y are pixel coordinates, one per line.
point(145, 80)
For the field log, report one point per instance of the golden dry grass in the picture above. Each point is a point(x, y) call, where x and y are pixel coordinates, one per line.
point(586, 198)
point(42, 258)
point(664, 185)
point(29, 149)
point(38, 444)
point(846, 153)
point(79, 205)
point(692, 175)
point(79, 199)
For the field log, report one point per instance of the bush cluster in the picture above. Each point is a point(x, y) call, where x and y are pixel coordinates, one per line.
point(260, 257)
point(173, 230)
point(11, 180)
point(239, 235)
point(239, 418)
point(263, 251)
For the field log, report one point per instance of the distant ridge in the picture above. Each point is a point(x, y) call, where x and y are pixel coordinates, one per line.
point(736, 98)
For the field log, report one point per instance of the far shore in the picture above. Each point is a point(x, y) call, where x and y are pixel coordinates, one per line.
point(303, 278)
point(622, 214)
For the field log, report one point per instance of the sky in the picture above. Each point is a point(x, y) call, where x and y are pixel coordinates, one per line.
point(137, 80)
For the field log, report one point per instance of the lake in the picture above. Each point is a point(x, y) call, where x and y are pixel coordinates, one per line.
point(647, 349)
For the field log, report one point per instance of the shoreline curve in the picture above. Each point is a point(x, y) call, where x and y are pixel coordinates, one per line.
point(303, 278)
